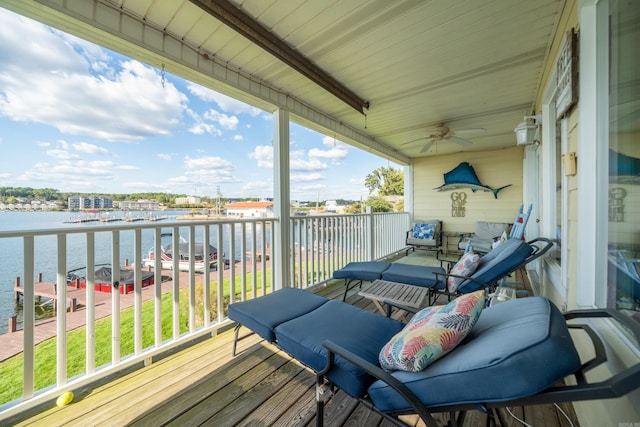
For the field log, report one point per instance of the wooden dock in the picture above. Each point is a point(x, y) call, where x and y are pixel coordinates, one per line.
point(48, 290)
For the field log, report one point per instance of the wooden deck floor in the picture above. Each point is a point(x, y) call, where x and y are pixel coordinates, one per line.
point(261, 386)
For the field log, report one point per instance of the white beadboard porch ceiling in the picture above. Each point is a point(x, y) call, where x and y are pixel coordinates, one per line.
point(467, 64)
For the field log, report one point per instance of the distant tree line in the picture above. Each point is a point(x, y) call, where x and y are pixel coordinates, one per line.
point(387, 181)
point(12, 194)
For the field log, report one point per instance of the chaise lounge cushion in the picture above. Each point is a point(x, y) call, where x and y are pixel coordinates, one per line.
point(355, 329)
point(497, 263)
point(416, 275)
point(367, 270)
point(432, 333)
point(263, 314)
point(516, 349)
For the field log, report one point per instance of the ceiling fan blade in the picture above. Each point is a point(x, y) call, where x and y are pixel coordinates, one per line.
point(459, 141)
point(427, 146)
point(414, 140)
point(470, 131)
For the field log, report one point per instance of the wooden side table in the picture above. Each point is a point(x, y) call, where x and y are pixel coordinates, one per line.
point(400, 293)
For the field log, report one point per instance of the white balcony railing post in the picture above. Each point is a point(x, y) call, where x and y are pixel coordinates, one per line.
point(115, 297)
point(29, 319)
point(370, 240)
point(61, 311)
point(90, 318)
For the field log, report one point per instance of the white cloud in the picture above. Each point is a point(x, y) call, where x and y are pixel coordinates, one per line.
point(225, 121)
point(147, 186)
point(226, 103)
point(48, 81)
point(201, 128)
point(337, 150)
point(306, 189)
point(74, 174)
point(236, 137)
point(306, 177)
point(257, 188)
point(61, 154)
point(85, 147)
point(43, 144)
point(264, 156)
point(209, 170)
point(307, 165)
point(164, 156)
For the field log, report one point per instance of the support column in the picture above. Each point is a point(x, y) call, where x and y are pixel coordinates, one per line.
point(281, 200)
point(408, 191)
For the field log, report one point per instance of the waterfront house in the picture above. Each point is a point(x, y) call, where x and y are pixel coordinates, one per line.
point(430, 85)
point(262, 209)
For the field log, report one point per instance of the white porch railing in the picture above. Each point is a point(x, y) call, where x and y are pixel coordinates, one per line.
point(323, 244)
point(319, 245)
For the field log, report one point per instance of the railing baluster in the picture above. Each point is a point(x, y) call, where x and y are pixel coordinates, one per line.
point(274, 257)
point(232, 262)
point(192, 278)
point(61, 311)
point(90, 292)
point(137, 289)
point(175, 248)
point(243, 260)
point(266, 252)
point(29, 319)
point(207, 277)
point(220, 271)
point(115, 297)
point(254, 279)
point(157, 287)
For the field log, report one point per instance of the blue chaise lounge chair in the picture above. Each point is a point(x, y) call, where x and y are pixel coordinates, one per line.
point(515, 353)
point(494, 266)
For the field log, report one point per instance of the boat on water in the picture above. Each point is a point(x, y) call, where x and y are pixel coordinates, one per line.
point(202, 256)
point(103, 279)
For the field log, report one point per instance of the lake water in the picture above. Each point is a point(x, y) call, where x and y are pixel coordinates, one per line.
point(11, 250)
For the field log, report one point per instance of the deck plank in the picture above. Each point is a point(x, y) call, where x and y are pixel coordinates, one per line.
point(273, 407)
point(253, 397)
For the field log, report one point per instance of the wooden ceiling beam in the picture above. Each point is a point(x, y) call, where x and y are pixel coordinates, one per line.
point(236, 19)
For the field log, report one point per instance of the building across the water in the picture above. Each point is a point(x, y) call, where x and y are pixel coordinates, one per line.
point(262, 209)
point(90, 202)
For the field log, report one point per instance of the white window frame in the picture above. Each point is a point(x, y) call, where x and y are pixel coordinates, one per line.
point(556, 272)
point(593, 157)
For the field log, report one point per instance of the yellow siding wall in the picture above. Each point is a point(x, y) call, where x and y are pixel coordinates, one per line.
point(494, 168)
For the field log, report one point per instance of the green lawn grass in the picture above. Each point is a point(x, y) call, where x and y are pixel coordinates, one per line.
point(45, 353)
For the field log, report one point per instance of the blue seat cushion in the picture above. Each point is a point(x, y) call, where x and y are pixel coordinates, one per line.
point(359, 331)
point(417, 275)
point(497, 263)
point(263, 314)
point(516, 349)
point(367, 270)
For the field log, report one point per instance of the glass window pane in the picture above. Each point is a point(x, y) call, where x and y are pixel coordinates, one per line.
point(557, 249)
point(623, 263)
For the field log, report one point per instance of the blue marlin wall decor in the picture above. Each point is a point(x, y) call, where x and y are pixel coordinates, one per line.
point(463, 176)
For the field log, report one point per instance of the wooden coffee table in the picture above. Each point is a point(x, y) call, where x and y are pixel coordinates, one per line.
point(400, 293)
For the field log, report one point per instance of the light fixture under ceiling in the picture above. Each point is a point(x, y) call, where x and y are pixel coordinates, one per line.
point(528, 131)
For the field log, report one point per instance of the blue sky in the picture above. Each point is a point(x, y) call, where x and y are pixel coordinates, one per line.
point(80, 118)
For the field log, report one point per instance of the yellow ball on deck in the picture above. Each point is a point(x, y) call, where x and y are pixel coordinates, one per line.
point(65, 398)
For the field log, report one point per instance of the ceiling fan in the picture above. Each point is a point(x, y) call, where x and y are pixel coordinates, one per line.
point(443, 133)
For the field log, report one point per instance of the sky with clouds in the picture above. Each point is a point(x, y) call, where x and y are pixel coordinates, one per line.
point(80, 118)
